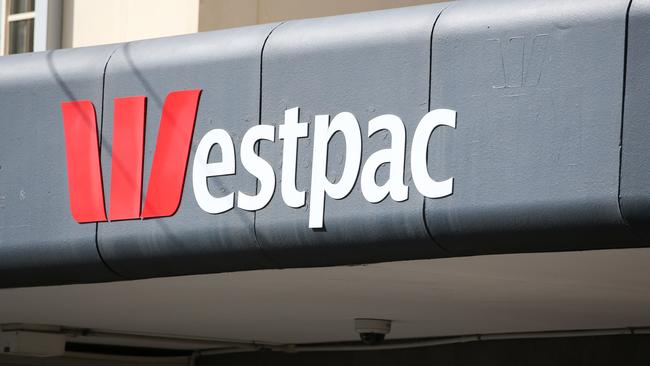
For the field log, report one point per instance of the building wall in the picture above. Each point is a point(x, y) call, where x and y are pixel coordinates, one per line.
point(94, 22)
point(218, 14)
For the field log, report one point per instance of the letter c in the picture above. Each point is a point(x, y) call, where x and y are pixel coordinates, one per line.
point(427, 186)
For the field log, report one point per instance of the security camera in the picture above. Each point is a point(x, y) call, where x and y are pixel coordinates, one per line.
point(372, 331)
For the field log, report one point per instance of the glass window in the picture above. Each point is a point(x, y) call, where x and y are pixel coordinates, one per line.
point(19, 26)
point(21, 6)
point(21, 36)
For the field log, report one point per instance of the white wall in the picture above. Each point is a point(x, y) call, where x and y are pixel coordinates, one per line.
point(217, 14)
point(92, 22)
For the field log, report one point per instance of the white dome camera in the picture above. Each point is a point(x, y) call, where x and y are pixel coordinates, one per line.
point(372, 331)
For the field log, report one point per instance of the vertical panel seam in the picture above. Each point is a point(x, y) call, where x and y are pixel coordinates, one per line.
point(424, 199)
point(266, 255)
point(620, 144)
point(101, 135)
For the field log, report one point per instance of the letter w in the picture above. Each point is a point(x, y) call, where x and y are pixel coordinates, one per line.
point(167, 175)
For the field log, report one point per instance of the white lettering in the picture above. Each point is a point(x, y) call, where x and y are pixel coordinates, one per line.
point(257, 166)
point(394, 156)
point(320, 185)
point(290, 132)
point(202, 170)
point(423, 182)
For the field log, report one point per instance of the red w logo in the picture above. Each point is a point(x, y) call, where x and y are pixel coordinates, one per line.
point(169, 161)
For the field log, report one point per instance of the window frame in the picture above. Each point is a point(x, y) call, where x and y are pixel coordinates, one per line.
point(3, 27)
point(8, 18)
point(47, 16)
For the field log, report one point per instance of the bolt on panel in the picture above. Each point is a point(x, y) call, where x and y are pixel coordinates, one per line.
point(192, 84)
point(40, 241)
point(535, 156)
point(367, 65)
point(635, 163)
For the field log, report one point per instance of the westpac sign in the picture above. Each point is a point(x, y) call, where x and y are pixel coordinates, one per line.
point(168, 171)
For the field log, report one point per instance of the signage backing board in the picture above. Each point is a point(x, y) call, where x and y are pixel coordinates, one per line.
point(544, 134)
point(367, 64)
point(539, 95)
point(225, 65)
point(40, 242)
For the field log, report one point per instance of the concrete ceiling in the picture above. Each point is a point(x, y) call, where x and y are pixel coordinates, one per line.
point(442, 297)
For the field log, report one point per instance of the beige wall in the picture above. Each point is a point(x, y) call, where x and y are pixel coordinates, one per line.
point(217, 14)
point(92, 22)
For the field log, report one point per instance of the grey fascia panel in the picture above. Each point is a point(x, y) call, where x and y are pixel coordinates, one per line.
point(535, 156)
point(635, 164)
point(226, 66)
point(40, 242)
point(368, 64)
